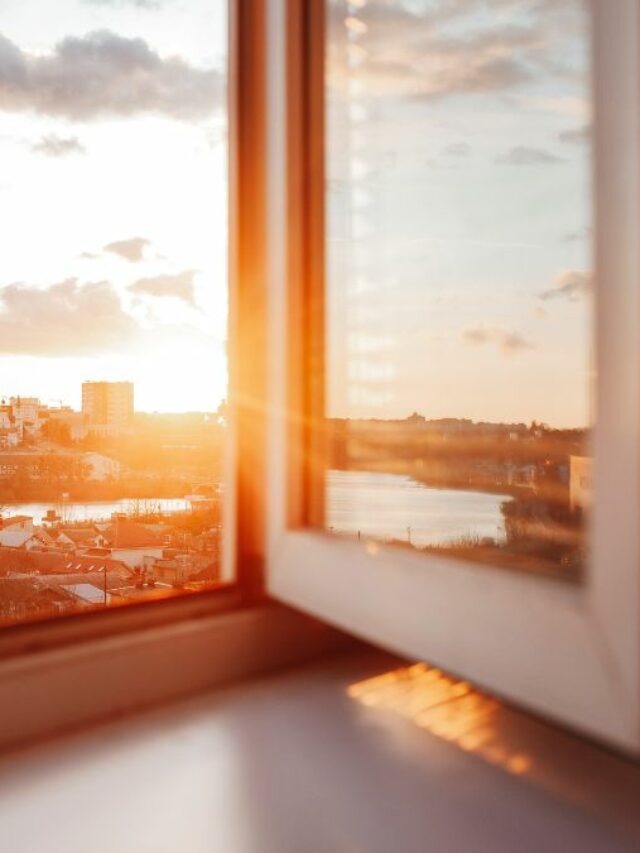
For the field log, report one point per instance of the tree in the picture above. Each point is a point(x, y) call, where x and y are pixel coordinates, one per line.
point(58, 432)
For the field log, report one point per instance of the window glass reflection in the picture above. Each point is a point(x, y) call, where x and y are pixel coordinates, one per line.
point(460, 281)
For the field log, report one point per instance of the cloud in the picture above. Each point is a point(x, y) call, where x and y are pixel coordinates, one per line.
point(512, 342)
point(131, 250)
point(103, 74)
point(449, 48)
point(457, 149)
point(524, 155)
point(467, 72)
point(571, 285)
point(180, 285)
point(576, 135)
point(445, 69)
point(509, 342)
point(58, 146)
point(65, 319)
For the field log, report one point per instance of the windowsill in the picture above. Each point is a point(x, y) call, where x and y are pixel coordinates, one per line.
point(55, 689)
point(295, 761)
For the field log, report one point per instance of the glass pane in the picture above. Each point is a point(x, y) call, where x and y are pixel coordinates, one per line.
point(113, 301)
point(459, 339)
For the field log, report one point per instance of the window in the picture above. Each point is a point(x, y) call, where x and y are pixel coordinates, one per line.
point(568, 650)
point(457, 224)
point(113, 303)
point(459, 279)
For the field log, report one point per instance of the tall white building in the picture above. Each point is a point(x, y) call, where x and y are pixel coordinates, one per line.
point(108, 404)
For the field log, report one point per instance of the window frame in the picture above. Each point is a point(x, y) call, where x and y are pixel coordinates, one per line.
point(570, 652)
point(242, 528)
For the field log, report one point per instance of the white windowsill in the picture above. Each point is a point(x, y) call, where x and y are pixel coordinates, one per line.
point(50, 691)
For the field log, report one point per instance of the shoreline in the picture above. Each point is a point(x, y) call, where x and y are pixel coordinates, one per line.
point(506, 491)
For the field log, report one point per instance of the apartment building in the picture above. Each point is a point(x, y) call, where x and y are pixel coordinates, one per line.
point(108, 404)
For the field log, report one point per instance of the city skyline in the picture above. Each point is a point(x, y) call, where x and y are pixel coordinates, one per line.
point(55, 403)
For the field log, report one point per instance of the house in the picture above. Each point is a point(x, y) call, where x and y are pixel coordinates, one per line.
point(24, 598)
point(16, 560)
point(178, 569)
point(101, 467)
point(17, 522)
point(79, 537)
point(93, 575)
point(89, 595)
point(60, 563)
point(131, 541)
point(10, 434)
point(27, 539)
point(97, 551)
point(25, 595)
point(24, 524)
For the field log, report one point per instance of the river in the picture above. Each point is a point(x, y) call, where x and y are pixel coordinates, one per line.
point(96, 510)
point(383, 506)
point(391, 506)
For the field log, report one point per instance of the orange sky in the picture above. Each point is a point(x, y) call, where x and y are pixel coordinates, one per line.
point(113, 199)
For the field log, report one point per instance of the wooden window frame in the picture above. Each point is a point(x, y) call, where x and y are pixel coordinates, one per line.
point(80, 637)
point(569, 652)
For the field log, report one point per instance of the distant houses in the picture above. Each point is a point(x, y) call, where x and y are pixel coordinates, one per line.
point(22, 539)
point(20, 532)
point(79, 537)
point(66, 568)
point(107, 411)
point(56, 465)
point(101, 467)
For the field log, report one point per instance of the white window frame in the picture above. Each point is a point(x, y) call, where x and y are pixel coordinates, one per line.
point(570, 652)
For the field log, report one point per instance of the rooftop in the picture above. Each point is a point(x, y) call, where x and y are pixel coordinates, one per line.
point(131, 534)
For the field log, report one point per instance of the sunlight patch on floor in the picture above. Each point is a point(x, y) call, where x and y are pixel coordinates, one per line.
point(446, 707)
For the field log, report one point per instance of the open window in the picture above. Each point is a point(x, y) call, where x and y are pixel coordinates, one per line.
point(454, 315)
point(435, 202)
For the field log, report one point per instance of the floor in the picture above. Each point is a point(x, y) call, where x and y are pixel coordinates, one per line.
point(359, 753)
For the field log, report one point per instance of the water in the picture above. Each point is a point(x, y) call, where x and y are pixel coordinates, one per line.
point(384, 506)
point(96, 510)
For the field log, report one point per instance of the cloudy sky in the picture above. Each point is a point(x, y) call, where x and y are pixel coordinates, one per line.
point(460, 209)
point(459, 204)
point(113, 199)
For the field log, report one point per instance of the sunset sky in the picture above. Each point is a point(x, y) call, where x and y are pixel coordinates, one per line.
point(460, 209)
point(459, 195)
point(113, 199)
